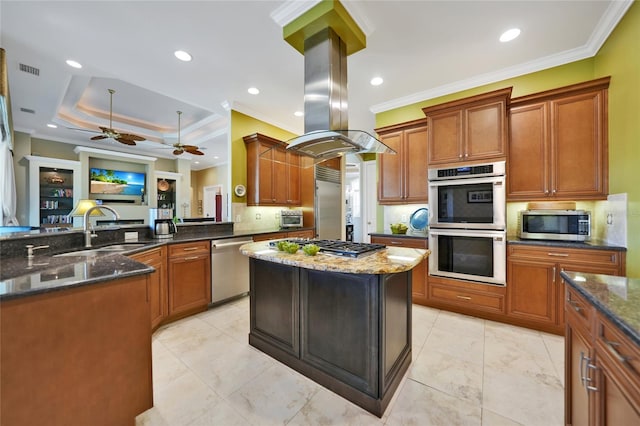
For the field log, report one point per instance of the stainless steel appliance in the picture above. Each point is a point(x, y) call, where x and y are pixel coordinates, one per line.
point(229, 269)
point(467, 222)
point(470, 197)
point(159, 214)
point(338, 247)
point(291, 219)
point(563, 225)
point(328, 203)
point(474, 255)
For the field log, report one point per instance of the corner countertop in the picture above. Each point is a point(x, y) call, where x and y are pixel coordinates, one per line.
point(617, 298)
point(386, 261)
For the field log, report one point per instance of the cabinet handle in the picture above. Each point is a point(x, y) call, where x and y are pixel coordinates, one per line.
point(192, 258)
point(546, 192)
point(463, 297)
point(613, 257)
point(558, 254)
point(460, 156)
point(589, 379)
point(396, 242)
point(583, 380)
point(554, 275)
point(553, 192)
point(612, 348)
point(574, 306)
point(191, 248)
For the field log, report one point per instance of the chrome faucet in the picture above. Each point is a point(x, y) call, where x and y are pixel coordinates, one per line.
point(88, 234)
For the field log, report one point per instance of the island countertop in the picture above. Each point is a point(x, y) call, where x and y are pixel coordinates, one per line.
point(386, 261)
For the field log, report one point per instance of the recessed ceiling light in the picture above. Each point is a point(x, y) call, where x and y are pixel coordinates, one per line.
point(196, 162)
point(377, 81)
point(182, 55)
point(53, 126)
point(215, 157)
point(74, 64)
point(510, 35)
point(253, 90)
point(298, 113)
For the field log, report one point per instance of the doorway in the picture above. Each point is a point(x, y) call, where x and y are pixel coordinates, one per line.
point(212, 204)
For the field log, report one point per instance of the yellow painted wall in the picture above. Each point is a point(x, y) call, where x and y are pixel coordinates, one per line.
point(619, 57)
point(243, 125)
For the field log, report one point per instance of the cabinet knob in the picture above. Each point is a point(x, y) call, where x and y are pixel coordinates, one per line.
point(460, 156)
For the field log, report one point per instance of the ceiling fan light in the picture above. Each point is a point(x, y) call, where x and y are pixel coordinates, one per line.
point(376, 81)
point(53, 126)
point(298, 113)
point(253, 90)
point(74, 64)
point(183, 56)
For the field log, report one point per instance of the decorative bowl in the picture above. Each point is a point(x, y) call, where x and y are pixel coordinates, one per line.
point(291, 248)
point(310, 249)
point(399, 228)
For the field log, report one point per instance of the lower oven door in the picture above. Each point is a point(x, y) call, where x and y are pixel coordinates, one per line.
point(474, 255)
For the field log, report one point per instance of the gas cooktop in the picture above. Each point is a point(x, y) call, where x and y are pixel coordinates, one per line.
point(338, 247)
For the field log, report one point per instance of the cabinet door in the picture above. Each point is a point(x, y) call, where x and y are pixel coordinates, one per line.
point(390, 169)
point(190, 278)
point(293, 179)
point(578, 141)
point(532, 292)
point(528, 174)
point(280, 174)
point(415, 165)
point(445, 137)
point(485, 131)
point(578, 353)
point(265, 174)
point(157, 282)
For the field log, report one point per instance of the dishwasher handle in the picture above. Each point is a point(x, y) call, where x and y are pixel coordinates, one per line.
point(217, 245)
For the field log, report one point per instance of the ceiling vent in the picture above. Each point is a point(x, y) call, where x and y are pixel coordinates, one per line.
point(27, 110)
point(29, 69)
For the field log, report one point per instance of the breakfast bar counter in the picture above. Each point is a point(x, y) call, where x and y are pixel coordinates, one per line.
point(343, 322)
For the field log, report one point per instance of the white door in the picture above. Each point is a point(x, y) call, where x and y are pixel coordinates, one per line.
point(369, 199)
point(209, 200)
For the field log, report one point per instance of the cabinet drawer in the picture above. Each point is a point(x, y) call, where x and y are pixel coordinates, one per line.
point(401, 242)
point(189, 249)
point(272, 236)
point(310, 233)
point(485, 302)
point(578, 309)
point(150, 256)
point(566, 255)
point(622, 352)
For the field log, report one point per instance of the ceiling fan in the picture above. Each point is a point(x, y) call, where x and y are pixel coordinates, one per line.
point(179, 148)
point(110, 132)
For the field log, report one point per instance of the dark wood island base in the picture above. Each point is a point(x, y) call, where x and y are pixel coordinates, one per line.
point(348, 332)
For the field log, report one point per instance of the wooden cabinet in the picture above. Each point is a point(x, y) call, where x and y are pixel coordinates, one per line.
point(189, 278)
point(403, 176)
point(306, 233)
point(602, 379)
point(534, 287)
point(466, 297)
point(53, 191)
point(419, 274)
point(469, 129)
point(558, 144)
point(273, 174)
point(157, 282)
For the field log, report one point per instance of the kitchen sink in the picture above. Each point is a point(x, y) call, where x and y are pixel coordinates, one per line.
point(114, 248)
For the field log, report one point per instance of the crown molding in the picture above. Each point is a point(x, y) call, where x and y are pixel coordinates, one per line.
point(104, 152)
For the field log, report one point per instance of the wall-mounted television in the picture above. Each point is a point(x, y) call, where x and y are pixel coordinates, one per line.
point(116, 182)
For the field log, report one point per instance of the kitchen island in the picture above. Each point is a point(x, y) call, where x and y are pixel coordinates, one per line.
point(343, 322)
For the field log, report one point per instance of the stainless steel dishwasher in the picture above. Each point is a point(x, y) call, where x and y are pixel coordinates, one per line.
point(229, 269)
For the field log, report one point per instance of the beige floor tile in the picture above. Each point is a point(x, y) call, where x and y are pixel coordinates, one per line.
point(327, 408)
point(151, 417)
point(464, 347)
point(274, 397)
point(459, 324)
point(555, 347)
point(222, 414)
point(166, 367)
point(422, 405)
point(489, 418)
point(222, 315)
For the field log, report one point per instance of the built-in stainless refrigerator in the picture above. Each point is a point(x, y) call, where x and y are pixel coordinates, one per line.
point(328, 203)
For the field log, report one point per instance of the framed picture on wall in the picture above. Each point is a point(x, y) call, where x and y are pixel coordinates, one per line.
point(479, 196)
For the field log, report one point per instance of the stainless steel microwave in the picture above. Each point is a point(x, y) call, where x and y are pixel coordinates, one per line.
point(562, 225)
point(291, 219)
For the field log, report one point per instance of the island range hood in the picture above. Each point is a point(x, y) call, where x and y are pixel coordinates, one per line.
point(327, 134)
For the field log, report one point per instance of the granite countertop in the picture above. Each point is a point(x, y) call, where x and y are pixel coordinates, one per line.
point(617, 298)
point(387, 261)
point(593, 244)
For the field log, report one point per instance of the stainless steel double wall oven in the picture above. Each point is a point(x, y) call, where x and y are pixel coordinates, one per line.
point(467, 221)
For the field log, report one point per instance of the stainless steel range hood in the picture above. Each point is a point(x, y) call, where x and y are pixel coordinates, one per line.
point(325, 103)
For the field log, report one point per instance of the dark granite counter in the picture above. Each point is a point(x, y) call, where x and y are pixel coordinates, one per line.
point(617, 298)
point(593, 244)
point(20, 277)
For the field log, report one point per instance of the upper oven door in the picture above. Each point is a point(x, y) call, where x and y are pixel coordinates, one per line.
point(472, 203)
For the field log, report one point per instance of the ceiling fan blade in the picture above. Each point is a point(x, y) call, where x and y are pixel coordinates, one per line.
point(178, 151)
point(95, 138)
point(125, 141)
point(106, 129)
point(82, 130)
point(193, 150)
point(132, 137)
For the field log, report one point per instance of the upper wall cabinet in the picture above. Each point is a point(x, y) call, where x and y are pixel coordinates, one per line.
point(403, 176)
point(273, 174)
point(558, 144)
point(469, 129)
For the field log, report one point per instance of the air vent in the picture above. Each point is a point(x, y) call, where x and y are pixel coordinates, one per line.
point(327, 174)
point(27, 110)
point(29, 69)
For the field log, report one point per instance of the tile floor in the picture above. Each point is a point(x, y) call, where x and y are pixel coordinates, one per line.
point(465, 371)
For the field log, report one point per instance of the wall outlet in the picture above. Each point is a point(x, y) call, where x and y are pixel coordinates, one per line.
point(238, 218)
point(131, 236)
point(258, 216)
point(403, 218)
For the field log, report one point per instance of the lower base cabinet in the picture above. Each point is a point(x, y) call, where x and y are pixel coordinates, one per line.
point(189, 278)
point(602, 369)
point(307, 233)
point(158, 291)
